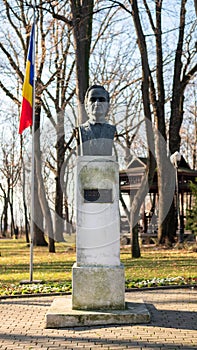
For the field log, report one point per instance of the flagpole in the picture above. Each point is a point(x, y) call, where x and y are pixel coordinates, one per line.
point(32, 162)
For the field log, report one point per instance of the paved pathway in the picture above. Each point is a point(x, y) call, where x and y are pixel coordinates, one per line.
point(173, 325)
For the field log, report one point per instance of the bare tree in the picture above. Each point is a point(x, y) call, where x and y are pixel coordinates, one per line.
point(80, 22)
point(17, 25)
point(189, 130)
point(60, 94)
point(153, 95)
point(10, 171)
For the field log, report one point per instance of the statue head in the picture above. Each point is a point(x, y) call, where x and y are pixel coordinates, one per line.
point(97, 103)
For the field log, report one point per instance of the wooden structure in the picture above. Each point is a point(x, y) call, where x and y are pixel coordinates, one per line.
point(130, 180)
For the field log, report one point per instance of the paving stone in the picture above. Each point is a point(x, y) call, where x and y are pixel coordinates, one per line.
point(173, 325)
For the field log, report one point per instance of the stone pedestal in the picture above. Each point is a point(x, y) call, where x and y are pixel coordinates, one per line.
point(97, 204)
point(98, 277)
point(98, 285)
point(97, 288)
point(61, 315)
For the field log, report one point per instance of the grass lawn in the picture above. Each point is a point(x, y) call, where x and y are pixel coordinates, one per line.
point(155, 267)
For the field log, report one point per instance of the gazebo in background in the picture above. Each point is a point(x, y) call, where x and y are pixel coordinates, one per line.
point(130, 180)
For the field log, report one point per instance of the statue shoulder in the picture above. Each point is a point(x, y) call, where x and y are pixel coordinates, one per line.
point(84, 125)
point(111, 127)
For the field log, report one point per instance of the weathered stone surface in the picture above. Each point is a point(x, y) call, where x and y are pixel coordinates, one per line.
point(62, 315)
point(98, 287)
point(97, 222)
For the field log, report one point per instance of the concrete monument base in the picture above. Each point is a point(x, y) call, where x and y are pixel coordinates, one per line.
point(61, 315)
point(98, 287)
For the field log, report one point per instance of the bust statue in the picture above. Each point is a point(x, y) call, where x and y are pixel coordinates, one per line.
point(96, 135)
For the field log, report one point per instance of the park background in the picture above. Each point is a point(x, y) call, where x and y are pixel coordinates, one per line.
point(144, 53)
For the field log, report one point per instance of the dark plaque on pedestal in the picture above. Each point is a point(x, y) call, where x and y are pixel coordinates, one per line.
point(98, 195)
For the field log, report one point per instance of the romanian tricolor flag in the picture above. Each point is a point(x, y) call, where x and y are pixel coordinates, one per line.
point(26, 118)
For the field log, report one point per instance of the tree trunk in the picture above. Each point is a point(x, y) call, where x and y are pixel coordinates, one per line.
point(4, 216)
point(177, 92)
point(127, 213)
point(25, 206)
point(179, 83)
point(147, 180)
point(39, 238)
point(26, 223)
point(136, 204)
point(166, 186)
point(82, 14)
point(135, 243)
point(67, 217)
point(12, 218)
point(166, 183)
point(44, 205)
point(169, 227)
point(41, 192)
point(60, 150)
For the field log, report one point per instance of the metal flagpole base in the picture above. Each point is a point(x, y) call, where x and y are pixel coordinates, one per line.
point(31, 282)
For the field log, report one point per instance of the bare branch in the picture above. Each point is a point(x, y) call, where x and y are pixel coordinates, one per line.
point(9, 94)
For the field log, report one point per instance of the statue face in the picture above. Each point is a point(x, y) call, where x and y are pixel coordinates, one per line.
point(97, 105)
